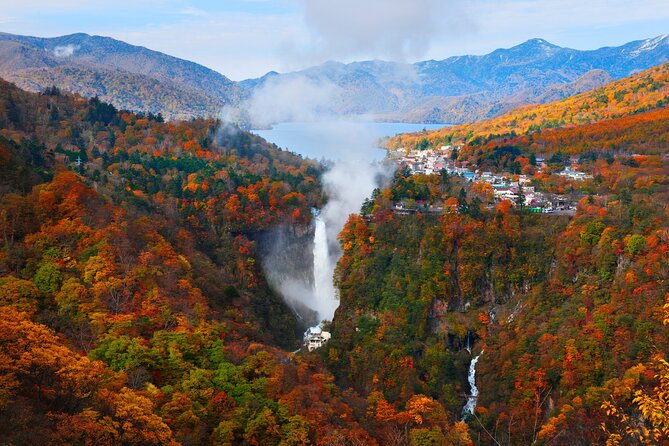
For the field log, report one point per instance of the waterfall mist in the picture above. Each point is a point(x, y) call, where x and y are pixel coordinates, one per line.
point(347, 183)
point(300, 263)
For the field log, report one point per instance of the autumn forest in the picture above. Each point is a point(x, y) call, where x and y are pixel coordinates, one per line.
point(135, 309)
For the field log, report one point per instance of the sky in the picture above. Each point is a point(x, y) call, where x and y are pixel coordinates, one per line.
point(247, 38)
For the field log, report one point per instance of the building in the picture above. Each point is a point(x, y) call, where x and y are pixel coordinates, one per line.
point(571, 172)
point(315, 337)
point(404, 209)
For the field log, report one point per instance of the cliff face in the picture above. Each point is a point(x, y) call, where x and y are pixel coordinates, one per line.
point(286, 254)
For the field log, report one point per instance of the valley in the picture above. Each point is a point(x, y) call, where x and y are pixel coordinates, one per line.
point(170, 278)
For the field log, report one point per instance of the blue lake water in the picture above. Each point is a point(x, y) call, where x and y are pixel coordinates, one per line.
point(350, 140)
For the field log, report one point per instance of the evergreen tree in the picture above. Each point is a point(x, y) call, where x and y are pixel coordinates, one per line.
point(463, 207)
point(520, 200)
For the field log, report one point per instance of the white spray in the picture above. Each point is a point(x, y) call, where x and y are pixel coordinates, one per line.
point(325, 300)
point(349, 179)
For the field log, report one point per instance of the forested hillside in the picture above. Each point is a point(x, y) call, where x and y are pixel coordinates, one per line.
point(560, 308)
point(133, 307)
point(128, 76)
point(567, 315)
point(627, 98)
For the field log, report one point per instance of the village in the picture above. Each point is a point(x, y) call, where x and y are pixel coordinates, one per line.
point(505, 186)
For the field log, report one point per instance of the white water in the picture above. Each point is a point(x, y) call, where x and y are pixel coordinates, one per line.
point(349, 178)
point(473, 397)
point(325, 300)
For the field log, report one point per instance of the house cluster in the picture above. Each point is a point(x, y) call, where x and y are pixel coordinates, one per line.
point(431, 161)
point(505, 186)
point(315, 337)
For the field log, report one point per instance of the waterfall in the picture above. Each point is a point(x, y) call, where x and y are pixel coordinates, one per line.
point(325, 301)
point(473, 397)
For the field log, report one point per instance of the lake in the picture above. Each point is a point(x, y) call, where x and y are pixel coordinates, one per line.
point(333, 140)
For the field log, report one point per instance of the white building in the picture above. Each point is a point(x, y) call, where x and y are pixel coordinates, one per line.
point(574, 174)
point(315, 337)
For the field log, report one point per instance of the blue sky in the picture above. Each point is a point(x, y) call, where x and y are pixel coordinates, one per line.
point(246, 38)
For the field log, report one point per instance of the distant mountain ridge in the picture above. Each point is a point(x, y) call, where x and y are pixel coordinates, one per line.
point(126, 75)
point(454, 90)
point(469, 88)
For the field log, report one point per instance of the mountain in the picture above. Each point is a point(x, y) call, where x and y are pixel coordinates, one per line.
point(454, 90)
point(466, 88)
point(538, 63)
point(629, 96)
point(128, 76)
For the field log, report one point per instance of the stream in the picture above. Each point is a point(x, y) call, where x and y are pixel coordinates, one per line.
point(468, 409)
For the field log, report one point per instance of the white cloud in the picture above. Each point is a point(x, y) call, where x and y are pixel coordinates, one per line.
point(243, 45)
point(388, 29)
point(238, 45)
point(292, 99)
point(194, 12)
point(65, 50)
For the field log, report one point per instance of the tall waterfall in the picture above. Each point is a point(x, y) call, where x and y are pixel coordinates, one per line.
point(473, 397)
point(325, 301)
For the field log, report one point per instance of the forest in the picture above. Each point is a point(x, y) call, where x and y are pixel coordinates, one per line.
point(568, 314)
point(616, 117)
point(135, 309)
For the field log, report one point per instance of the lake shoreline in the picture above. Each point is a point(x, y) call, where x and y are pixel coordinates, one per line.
point(359, 140)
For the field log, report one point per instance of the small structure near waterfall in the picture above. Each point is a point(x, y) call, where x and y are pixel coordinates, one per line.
point(315, 337)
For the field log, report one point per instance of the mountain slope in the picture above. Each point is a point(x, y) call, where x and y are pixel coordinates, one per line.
point(475, 107)
point(562, 317)
point(638, 93)
point(94, 65)
point(465, 88)
point(454, 90)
